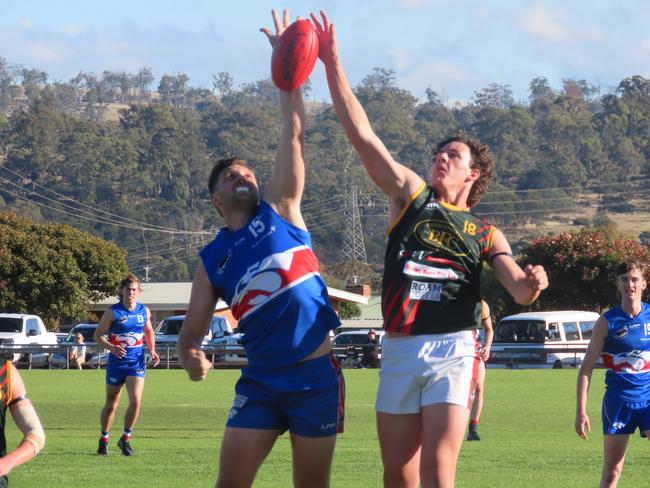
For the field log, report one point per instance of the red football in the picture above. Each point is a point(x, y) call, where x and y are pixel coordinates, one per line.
point(295, 55)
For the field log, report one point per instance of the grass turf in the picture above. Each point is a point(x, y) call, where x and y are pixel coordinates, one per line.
point(526, 426)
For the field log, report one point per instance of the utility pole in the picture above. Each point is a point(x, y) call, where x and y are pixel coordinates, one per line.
point(354, 248)
point(146, 273)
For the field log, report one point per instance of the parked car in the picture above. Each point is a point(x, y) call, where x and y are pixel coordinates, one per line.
point(24, 330)
point(543, 339)
point(349, 346)
point(219, 337)
point(96, 357)
point(60, 337)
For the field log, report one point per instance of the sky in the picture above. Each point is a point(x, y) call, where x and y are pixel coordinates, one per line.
point(454, 47)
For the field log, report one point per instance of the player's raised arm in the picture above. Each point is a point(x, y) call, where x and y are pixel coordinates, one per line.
point(287, 184)
point(203, 300)
point(395, 179)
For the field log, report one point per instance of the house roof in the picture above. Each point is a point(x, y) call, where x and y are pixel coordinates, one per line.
point(176, 296)
point(370, 317)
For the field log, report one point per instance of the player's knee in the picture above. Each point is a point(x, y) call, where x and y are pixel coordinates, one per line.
point(399, 476)
point(612, 475)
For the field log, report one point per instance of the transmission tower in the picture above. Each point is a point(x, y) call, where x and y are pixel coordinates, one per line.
point(354, 248)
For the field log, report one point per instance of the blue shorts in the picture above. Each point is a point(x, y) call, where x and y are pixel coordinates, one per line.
point(305, 398)
point(623, 417)
point(119, 368)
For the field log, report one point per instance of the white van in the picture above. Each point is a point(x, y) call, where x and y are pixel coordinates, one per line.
point(542, 339)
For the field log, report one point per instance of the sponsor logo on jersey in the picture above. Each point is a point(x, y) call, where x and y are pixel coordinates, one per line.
point(128, 339)
point(273, 275)
point(431, 205)
point(224, 262)
point(440, 235)
point(627, 362)
point(621, 333)
point(425, 291)
point(417, 270)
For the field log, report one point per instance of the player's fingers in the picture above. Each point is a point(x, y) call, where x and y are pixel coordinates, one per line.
point(276, 20)
point(317, 25)
point(286, 20)
point(326, 20)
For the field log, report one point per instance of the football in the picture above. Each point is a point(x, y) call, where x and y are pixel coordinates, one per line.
point(295, 55)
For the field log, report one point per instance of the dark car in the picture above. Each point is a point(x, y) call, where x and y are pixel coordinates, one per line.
point(353, 348)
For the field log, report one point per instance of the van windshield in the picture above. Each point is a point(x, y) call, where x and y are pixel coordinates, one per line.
point(520, 331)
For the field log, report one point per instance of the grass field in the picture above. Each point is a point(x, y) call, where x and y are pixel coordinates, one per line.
point(527, 429)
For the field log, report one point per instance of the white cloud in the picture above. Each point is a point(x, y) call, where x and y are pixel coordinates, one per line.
point(540, 22)
point(71, 29)
point(452, 80)
point(411, 3)
point(44, 53)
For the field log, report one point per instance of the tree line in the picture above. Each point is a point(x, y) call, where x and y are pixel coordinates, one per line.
point(140, 182)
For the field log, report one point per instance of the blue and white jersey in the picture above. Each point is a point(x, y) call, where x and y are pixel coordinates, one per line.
point(269, 275)
point(127, 330)
point(626, 354)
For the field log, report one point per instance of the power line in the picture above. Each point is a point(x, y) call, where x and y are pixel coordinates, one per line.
point(94, 210)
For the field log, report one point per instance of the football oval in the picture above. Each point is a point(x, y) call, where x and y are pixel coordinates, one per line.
point(295, 55)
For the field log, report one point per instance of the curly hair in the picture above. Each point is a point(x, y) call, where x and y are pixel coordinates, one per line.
point(481, 159)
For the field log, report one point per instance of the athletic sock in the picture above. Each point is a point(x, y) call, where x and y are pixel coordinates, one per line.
point(104, 436)
point(126, 435)
point(473, 424)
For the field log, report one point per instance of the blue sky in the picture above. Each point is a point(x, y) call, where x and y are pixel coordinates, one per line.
point(454, 47)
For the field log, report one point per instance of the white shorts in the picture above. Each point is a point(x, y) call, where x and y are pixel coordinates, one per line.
point(422, 370)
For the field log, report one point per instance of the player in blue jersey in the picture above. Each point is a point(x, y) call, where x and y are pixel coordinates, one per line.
point(123, 330)
point(621, 337)
point(262, 264)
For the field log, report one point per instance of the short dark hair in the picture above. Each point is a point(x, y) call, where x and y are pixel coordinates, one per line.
point(481, 159)
point(629, 265)
point(220, 166)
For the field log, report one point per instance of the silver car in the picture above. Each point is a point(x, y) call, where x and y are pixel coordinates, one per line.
point(96, 357)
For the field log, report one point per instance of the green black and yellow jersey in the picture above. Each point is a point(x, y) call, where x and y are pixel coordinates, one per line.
point(432, 268)
point(5, 398)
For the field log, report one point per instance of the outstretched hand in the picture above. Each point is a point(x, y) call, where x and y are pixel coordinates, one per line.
point(280, 26)
point(326, 37)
